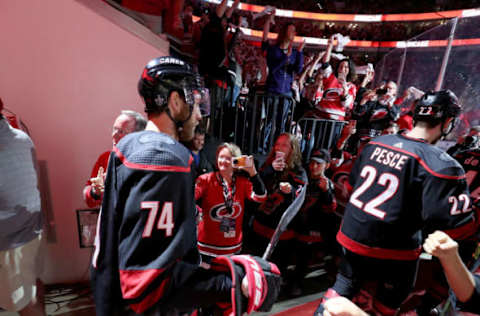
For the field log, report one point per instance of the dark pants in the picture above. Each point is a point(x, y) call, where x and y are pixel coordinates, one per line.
point(278, 118)
point(319, 133)
point(202, 288)
point(318, 252)
point(389, 281)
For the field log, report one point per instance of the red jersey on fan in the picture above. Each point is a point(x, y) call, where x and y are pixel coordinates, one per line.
point(220, 229)
point(333, 106)
point(405, 122)
point(340, 175)
point(91, 199)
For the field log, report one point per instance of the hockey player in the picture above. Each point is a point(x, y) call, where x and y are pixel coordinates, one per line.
point(146, 260)
point(403, 189)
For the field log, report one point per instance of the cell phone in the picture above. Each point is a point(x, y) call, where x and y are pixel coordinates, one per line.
point(242, 161)
point(381, 91)
point(363, 70)
point(279, 155)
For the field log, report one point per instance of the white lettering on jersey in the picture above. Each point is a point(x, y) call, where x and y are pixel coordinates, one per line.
point(388, 158)
point(164, 222)
point(387, 180)
point(471, 161)
point(455, 210)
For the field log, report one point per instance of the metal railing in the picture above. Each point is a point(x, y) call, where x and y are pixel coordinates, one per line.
point(260, 117)
point(318, 134)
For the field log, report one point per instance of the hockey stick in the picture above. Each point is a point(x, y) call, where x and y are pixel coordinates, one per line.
point(287, 217)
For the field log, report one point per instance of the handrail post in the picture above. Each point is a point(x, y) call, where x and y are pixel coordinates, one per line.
point(446, 56)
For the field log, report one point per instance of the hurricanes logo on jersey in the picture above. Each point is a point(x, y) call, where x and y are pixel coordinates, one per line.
point(218, 212)
point(332, 93)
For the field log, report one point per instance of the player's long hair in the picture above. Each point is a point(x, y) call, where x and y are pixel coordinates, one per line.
point(294, 160)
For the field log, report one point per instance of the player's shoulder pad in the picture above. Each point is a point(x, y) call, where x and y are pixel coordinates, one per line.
point(433, 159)
point(154, 151)
point(387, 139)
point(441, 162)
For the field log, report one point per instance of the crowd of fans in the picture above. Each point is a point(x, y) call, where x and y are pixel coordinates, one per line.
point(373, 31)
point(368, 7)
point(250, 58)
point(238, 209)
point(320, 86)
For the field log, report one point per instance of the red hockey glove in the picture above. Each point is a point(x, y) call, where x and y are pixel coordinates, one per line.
point(263, 283)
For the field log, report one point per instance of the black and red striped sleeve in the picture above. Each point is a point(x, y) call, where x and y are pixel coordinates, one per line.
point(256, 189)
point(446, 203)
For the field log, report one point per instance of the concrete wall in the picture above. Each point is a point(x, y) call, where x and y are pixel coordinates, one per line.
point(67, 69)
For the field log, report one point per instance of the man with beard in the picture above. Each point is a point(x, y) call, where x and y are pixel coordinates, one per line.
point(146, 260)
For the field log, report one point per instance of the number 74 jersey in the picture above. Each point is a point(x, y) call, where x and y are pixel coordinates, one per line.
point(146, 240)
point(403, 189)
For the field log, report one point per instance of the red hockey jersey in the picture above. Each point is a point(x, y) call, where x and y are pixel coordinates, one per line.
point(102, 161)
point(332, 106)
point(220, 229)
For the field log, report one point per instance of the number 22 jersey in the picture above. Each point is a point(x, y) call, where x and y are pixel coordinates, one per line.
point(404, 188)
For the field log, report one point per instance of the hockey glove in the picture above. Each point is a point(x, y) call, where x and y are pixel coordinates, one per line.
point(263, 283)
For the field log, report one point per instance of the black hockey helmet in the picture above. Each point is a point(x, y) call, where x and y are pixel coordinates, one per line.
point(437, 105)
point(163, 75)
